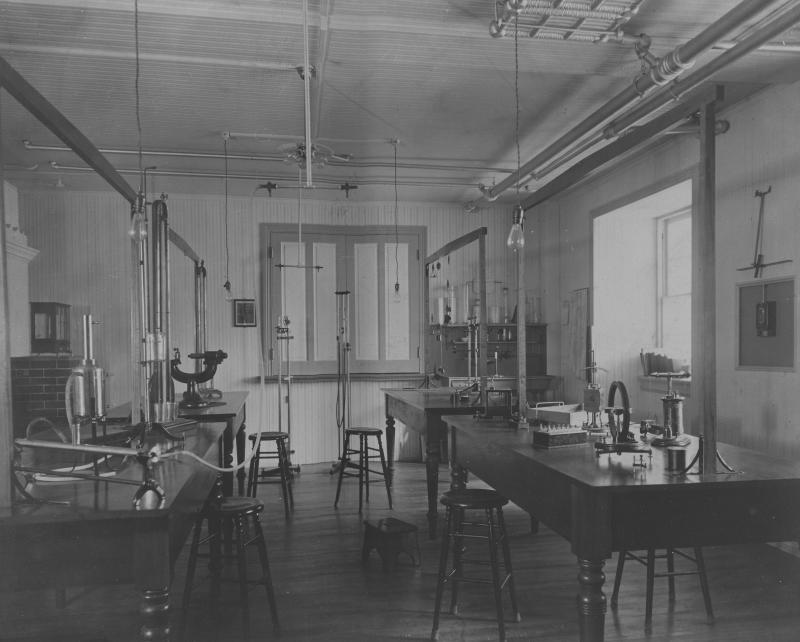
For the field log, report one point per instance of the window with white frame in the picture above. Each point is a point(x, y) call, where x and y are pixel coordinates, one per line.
point(377, 273)
point(675, 283)
point(642, 271)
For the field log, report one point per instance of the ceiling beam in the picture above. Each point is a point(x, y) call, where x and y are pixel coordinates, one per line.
point(27, 95)
point(626, 143)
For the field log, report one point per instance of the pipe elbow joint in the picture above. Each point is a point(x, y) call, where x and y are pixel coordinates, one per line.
point(496, 29)
point(487, 193)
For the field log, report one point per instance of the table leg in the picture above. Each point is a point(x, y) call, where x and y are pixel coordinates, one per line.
point(241, 475)
point(591, 600)
point(458, 474)
point(390, 430)
point(227, 459)
point(154, 612)
point(152, 578)
point(433, 457)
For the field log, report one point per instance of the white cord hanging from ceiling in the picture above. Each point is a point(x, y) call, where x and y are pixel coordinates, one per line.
point(306, 100)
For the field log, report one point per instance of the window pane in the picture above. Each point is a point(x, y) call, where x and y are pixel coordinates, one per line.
point(396, 304)
point(366, 301)
point(293, 305)
point(678, 247)
point(677, 325)
point(324, 301)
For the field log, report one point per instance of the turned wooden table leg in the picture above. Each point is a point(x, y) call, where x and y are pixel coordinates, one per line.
point(591, 600)
point(154, 612)
point(227, 459)
point(390, 430)
point(241, 453)
point(458, 474)
point(152, 578)
point(433, 457)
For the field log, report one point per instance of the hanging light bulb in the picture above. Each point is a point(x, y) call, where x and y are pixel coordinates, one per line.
point(138, 227)
point(516, 237)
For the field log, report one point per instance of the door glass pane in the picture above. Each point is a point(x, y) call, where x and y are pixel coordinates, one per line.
point(396, 304)
point(293, 297)
point(366, 301)
point(324, 283)
point(678, 246)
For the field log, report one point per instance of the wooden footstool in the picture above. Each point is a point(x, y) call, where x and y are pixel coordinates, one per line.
point(390, 537)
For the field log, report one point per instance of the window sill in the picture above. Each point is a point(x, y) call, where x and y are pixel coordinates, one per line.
point(648, 383)
point(410, 377)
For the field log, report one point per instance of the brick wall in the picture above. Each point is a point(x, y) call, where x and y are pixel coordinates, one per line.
point(37, 388)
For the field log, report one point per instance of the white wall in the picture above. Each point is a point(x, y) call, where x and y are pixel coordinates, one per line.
point(758, 409)
point(85, 261)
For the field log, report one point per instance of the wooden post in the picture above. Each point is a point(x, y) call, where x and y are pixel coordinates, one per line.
point(6, 426)
point(704, 310)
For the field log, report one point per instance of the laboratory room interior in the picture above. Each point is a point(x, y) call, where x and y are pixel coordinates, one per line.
point(434, 320)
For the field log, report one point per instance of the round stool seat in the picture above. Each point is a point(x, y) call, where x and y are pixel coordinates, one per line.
point(270, 435)
point(365, 431)
point(473, 498)
point(234, 505)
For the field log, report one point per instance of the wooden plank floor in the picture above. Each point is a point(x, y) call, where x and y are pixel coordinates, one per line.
point(325, 594)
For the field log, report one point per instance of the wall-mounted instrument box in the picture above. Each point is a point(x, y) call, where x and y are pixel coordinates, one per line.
point(50, 330)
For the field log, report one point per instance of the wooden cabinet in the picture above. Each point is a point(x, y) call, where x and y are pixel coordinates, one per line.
point(447, 348)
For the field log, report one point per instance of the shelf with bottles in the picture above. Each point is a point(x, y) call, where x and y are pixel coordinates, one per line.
point(449, 346)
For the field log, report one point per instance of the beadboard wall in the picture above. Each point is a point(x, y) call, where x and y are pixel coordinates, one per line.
point(85, 260)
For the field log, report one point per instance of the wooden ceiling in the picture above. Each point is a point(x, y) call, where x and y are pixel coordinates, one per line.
point(423, 78)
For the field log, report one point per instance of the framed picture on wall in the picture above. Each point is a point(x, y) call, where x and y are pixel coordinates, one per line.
point(766, 325)
point(244, 313)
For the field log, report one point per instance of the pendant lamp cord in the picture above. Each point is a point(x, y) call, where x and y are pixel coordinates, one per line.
point(396, 237)
point(227, 284)
point(136, 89)
point(516, 98)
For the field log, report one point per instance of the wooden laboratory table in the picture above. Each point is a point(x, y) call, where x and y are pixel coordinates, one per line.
point(94, 535)
point(230, 410)
point(421, 410)
point(603, 504)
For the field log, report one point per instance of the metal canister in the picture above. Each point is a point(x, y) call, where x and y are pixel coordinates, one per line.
point(676, 458)
point(673, 415)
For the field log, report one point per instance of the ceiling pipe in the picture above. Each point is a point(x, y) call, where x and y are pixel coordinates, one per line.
point(412, 181)
point(677, 89)
point(436, 165)
point(681, 86)
point(669, 66)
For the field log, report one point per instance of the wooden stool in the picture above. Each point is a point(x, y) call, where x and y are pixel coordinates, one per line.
point(233, 511)
point(362, 468)
point(257, 476)
point(671, 573)
point(390, 537)
point(455, 534)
